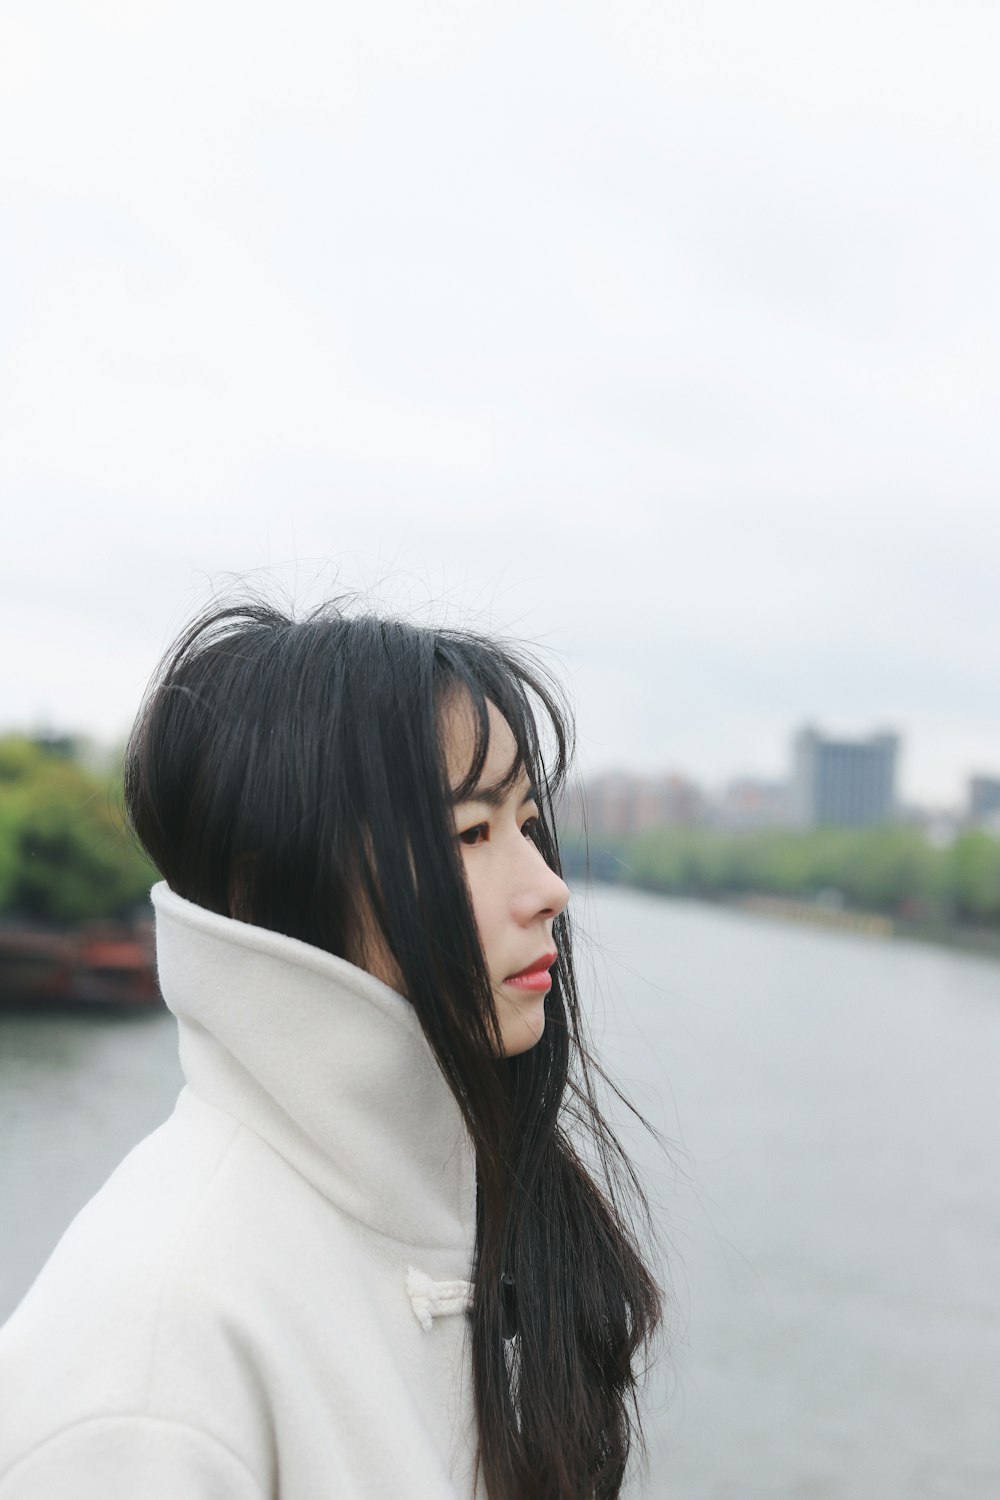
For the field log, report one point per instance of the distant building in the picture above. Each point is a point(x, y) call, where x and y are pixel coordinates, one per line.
point(749, 803)
point(670, 801)
point(609, 803)
point(848, 783)
point(984, 799)
point(617, 804)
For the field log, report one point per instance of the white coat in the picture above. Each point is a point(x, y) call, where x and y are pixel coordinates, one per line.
point(266, 1298)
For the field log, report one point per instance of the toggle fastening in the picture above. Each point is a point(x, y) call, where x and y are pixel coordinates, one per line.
point(436, 1299)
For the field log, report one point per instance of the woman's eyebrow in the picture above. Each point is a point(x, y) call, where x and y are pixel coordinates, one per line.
point(494, 796)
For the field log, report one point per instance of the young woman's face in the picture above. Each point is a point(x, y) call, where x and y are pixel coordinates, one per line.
point(515, 896)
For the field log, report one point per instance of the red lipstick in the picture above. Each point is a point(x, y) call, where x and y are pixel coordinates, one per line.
point(536, 976)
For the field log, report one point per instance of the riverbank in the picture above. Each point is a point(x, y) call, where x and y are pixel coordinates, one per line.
point(984, 941)
point(964, 937)
point(878, 882)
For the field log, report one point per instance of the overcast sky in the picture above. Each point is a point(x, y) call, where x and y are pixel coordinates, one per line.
point(665, 335)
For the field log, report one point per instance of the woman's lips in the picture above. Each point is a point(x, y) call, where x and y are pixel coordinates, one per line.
point(536, 976)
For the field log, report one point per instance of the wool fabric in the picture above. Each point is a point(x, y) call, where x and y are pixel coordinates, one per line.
point(266, 1299)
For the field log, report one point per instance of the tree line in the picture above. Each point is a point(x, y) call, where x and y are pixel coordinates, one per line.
point(891, 869)
point(65, 855)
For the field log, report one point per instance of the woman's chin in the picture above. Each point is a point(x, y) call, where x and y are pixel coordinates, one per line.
point(522, 1024)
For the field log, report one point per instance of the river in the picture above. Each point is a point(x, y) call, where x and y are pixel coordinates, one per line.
point(829, 1196)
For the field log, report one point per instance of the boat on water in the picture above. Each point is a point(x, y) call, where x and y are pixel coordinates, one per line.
point(105, 963)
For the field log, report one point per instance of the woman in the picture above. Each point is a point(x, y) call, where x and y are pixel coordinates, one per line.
point(364, 1256)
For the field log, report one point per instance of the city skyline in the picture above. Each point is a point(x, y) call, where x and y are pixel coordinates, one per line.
point(777, 795)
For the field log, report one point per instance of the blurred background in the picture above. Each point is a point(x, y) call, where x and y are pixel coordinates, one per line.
point(665, 337)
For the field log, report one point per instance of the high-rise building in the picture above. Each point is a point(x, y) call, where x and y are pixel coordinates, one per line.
point(984, 799)
point(850, 783)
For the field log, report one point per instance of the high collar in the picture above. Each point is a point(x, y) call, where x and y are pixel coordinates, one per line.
point(324, 1062)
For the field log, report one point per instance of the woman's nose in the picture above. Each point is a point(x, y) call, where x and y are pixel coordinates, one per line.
point(543, 893)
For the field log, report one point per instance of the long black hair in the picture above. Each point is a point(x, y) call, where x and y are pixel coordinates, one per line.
point(291, 773)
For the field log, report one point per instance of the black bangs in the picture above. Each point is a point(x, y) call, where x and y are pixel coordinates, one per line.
point(521, 691)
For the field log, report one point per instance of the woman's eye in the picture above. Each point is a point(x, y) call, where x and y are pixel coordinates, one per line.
point(530, 827)
point(477, 835)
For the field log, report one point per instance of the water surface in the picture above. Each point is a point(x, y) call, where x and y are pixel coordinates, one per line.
point(831, 1204)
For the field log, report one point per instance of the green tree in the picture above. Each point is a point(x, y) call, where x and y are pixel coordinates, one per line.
point(975, 877)
point(890, 869)
point(64, 853)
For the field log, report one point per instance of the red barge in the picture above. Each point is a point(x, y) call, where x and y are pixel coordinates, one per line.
point(105, 963)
